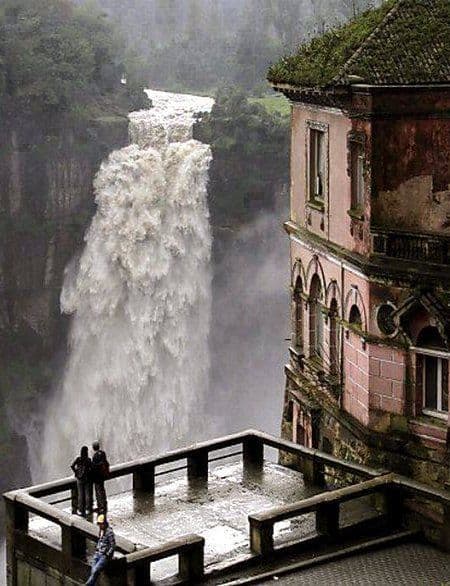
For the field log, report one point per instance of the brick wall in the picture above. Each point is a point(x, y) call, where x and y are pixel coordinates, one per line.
point(387, 379)
point(356, 376)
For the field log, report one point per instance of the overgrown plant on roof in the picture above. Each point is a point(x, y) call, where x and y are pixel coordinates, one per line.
point(406, 41)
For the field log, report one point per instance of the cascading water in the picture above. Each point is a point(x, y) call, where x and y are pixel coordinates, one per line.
point(140, 297)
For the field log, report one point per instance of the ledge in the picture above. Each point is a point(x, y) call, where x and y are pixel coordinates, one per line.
point(356, 214)
point(381, 268)
point(316, 205)
point(430, 431)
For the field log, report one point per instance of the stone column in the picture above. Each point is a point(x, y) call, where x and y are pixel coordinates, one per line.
point(144, 478)
point(197, 465)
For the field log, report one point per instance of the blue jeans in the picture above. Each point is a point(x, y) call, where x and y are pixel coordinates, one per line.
point(98, 564)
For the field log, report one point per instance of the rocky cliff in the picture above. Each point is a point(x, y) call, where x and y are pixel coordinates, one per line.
point(47, 167)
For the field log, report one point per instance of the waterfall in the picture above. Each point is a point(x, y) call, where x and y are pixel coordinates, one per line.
point(140, 297)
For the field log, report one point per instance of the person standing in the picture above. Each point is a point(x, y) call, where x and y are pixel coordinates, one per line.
point(104, 550)
point(82, 467)
point(100, 472)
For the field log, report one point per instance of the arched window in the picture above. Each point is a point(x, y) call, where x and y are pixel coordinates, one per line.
point(297, 315)
point(315, 319)
point(334, 352)
point(432, 372)
point(355, 316)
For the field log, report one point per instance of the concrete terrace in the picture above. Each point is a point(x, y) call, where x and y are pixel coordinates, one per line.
point(234, 513)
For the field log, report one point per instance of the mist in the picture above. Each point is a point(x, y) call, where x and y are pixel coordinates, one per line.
point(250, 324)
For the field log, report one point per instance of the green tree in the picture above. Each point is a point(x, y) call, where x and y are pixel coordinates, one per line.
point(57, 57)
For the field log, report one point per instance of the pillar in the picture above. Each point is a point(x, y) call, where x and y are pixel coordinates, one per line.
point(261, 537)
point(144, 478)
point(197, 464)
point(253, 455)
point(192, 563)
point(327, 519)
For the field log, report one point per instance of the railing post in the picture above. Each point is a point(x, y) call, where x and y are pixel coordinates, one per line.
point(73, 542)
point(261, 537)
point(142, 574)
point(74, 498)
point(253, 453)
point(313, 471)
point(144, 478)
point(394, 506)
point(16, 520)
point(327, 519)
point(117, 573)
point(445, 535)
point(192, 563)
point(197, 465)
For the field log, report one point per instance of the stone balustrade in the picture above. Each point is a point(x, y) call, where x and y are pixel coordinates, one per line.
point(133, 566)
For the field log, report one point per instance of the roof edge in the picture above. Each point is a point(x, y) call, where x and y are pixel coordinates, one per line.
point(392, 12)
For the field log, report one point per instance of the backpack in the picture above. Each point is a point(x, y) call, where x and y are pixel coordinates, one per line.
point(81, 470)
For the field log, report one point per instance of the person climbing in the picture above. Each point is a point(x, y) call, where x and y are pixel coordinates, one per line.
point(104, 550)
point(100, 472)
point(82, 467)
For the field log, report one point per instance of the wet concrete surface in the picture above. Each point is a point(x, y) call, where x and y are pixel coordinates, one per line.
point(411, 564)
point(218, 512)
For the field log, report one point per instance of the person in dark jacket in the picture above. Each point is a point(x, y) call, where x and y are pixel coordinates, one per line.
point(100, 471)
point(104, 550)
point(82, 467)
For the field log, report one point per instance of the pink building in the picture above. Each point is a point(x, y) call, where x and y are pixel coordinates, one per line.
point(369, 233)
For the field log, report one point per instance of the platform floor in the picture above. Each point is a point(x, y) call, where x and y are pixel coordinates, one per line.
point(411, 564)
point(218, 513)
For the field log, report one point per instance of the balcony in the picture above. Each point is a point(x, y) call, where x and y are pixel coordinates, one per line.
point(241, 510)
point(410, 246)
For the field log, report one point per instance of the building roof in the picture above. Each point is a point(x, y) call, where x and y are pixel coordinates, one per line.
point(401, 42)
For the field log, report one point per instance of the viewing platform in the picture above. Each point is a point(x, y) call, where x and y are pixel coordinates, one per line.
point(217, 510)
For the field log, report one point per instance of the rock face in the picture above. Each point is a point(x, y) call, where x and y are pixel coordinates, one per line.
point(47, 166)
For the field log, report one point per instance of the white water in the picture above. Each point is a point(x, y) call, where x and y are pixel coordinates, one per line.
point(140, 298)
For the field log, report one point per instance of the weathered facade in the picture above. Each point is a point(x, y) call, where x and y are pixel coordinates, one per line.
point(368, 377)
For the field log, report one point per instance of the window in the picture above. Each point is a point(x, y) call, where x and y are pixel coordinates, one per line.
point(297, 315)
point(432, 372)
point(357, 172)
point(315, 319)
point(435, 385)
point(316, 164)
point(334, 367)
point(355, 317)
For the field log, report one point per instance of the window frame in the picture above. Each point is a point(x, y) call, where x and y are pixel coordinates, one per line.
point(440, 356)
point(356, 153)
point(315, 128)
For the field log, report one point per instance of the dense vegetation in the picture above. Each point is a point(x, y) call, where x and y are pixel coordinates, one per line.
point(61, 58)
point(250, 166)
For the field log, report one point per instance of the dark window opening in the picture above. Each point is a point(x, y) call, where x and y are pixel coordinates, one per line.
point(355, 316)
point(316, 164)
point(316, 325)
point(334, 354)
point(430, 337)
point(298, 315)
point(358, 161)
